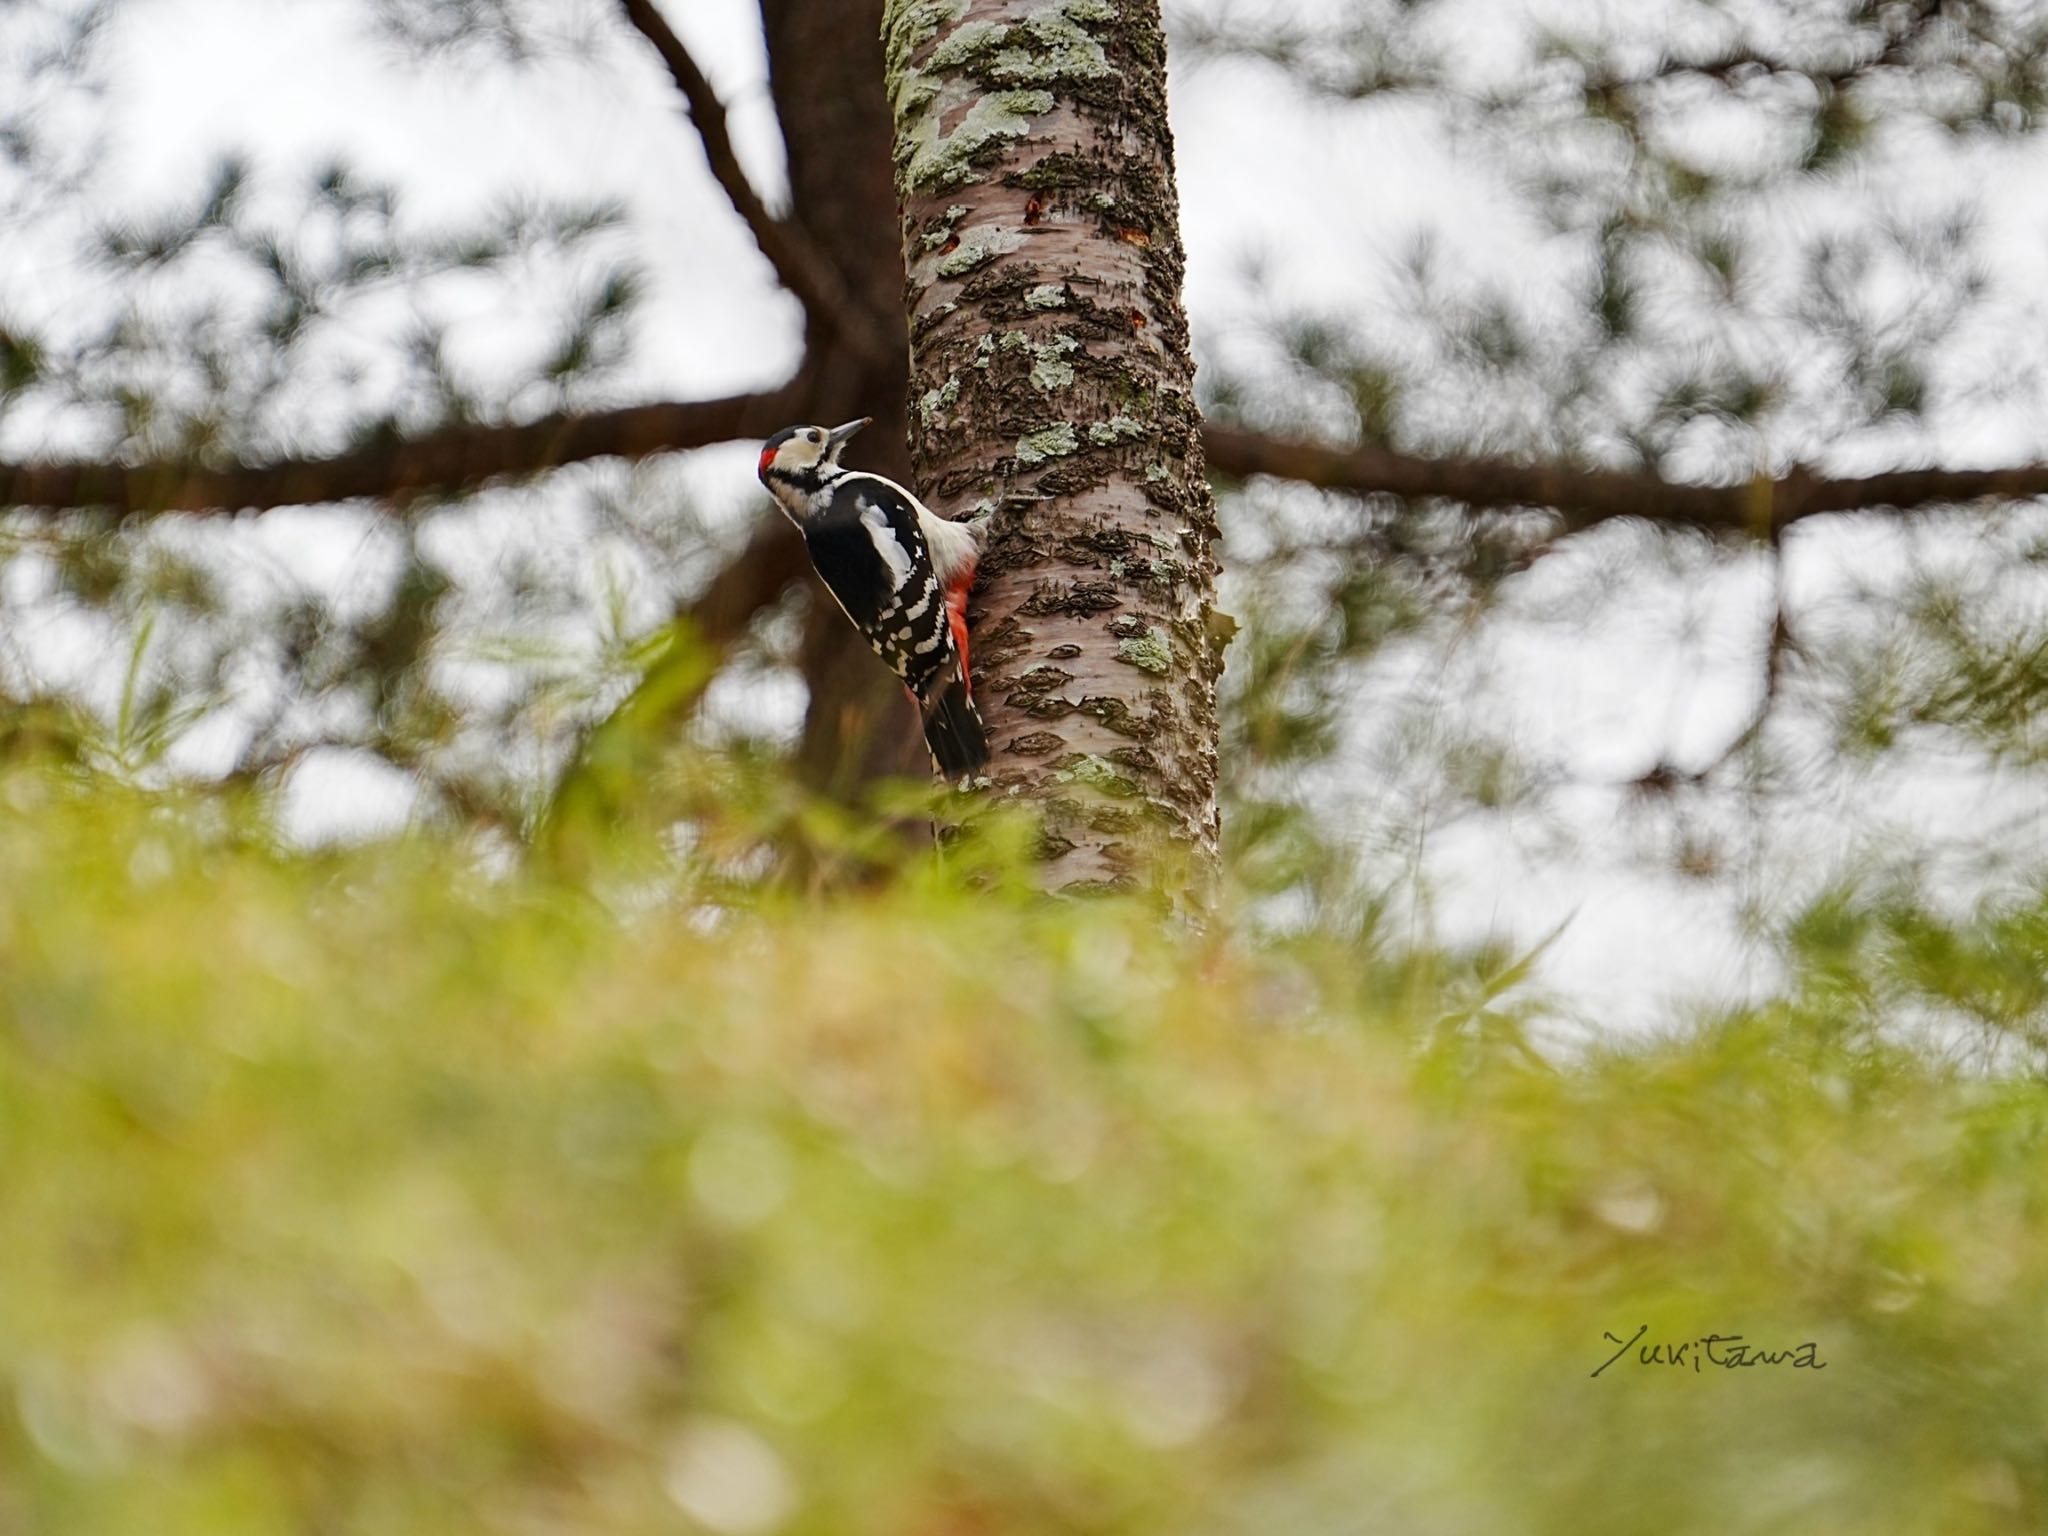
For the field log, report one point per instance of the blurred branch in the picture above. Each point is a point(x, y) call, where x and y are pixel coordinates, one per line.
point(749, 582)
point(460, 458)
point(1584, 497)
point(396, 469)
point(1780, 648)
point(804, 268)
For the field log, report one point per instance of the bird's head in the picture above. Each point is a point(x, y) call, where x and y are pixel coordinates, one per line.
point(797, 462)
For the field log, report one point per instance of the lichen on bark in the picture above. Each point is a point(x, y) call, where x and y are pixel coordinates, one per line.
point(1053, 383)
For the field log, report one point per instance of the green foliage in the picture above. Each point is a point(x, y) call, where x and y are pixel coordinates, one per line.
point(1962, 664)
point(276, 309)
point(369, 1193)
point(21, 361)
point(1660, 144)
point(1744, 239)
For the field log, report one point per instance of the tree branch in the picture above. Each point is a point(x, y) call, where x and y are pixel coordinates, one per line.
point(398, 469)
point(1584, 497)
point(463, 457)
point(804, 268)
point(1781, 647)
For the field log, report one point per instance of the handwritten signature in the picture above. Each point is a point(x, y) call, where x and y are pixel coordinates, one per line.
point(1728, 1351)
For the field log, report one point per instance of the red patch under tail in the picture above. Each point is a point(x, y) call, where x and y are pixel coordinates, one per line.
point(956, 617)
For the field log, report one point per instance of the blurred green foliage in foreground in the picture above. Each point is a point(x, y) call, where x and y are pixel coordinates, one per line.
point(363, 1193)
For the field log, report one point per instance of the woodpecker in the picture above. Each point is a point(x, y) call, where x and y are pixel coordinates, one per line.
point(900, 572)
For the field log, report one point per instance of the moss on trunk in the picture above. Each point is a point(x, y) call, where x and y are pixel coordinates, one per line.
point(1051, 379)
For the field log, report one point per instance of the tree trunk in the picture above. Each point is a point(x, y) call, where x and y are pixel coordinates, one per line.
point(1051, 379)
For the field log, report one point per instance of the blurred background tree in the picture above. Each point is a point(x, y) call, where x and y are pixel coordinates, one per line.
point(1727, 272)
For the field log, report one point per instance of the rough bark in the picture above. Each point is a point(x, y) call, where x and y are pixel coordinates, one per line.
point(1052, 381)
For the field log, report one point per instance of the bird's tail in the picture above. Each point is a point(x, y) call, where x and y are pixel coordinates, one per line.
point(954, 732)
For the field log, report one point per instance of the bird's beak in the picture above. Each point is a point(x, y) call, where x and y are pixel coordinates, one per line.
point(839, 437)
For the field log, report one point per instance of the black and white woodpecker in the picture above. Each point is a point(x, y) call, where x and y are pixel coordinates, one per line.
point(900, 571)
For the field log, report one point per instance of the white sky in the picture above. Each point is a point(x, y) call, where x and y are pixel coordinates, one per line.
point(1325, 195)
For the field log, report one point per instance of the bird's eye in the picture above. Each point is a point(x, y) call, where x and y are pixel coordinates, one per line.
point(815, 435)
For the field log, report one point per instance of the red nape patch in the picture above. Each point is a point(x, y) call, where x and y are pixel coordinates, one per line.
point(767, 458)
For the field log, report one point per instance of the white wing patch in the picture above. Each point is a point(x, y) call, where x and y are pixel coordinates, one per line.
point(893, 554)
point(955, 547)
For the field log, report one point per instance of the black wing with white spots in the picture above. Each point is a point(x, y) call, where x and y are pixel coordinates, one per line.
point(868, 547)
